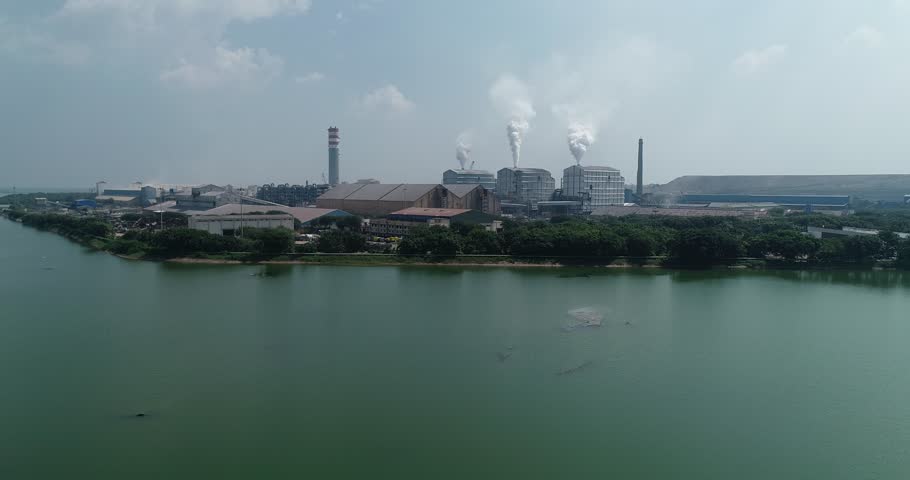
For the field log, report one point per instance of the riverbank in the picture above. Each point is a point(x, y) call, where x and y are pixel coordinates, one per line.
point(189, 247)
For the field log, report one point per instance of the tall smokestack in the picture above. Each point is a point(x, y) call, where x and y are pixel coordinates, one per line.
point(639, 190)
point(334, 155)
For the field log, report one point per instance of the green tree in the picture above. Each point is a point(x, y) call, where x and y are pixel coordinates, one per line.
point(435, 240)
point(270, 241)
point(789, 244)
point(341, 241)
point(903, 255)
point(863, 248)
point(705, 246)
point(480, 241)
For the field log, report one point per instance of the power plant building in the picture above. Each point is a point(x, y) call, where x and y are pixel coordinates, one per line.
point(525, 185)
point(469, 177)
point(594, 187)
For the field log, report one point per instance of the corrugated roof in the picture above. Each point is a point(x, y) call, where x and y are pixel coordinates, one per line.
point(460, 190)
point(594, 168)
point(340, 192)
point(409, 192)
point(670, 212)
point(469, 172)
point(372, 191)
point(116, 198)
point(303, 214)
point(431, 212)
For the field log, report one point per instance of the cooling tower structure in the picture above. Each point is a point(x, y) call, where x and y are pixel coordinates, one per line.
point(334, 155)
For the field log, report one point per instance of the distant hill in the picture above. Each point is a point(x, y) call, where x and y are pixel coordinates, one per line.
point(870, 187)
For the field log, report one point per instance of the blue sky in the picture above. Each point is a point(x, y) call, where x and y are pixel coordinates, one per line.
point(241, 91)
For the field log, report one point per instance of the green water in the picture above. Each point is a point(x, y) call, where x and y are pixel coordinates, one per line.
point(323, 372)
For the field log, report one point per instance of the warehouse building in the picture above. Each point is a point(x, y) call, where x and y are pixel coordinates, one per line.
point(381, 198)
point(814, 201)
point(594, 187)
point(471, 197)
point(233, 224)
point(400, 223)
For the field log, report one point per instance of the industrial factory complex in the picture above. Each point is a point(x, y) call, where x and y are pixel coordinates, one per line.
point(480, 197)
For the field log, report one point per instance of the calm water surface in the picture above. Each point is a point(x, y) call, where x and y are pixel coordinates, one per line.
point(342, 372)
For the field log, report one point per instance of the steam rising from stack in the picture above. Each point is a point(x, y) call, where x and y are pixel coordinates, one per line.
point(580, 138)
point(510, 96)
point(463, 149)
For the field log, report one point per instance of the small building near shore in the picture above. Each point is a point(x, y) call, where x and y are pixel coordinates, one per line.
point(400, 223)
point(232, 224)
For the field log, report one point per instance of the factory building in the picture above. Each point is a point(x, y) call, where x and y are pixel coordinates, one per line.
point(594, 187)
point(291, 195)
point(821, 202)
point(136, 195)
point(469, 177)
point(471, 197)
point(400, 223)
point(524, 186)
point(381, 198)
point(232, 224)
point(334, 156)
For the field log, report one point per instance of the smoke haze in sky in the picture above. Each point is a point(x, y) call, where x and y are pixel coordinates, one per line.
point(242, 92)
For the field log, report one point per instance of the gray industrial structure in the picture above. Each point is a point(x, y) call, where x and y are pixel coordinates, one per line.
point(400, 223)
point(291, 195)
point(469, 177)
point(382, 198)
point(233, 224)
point(135, 195)
point(594, 187)
point(524, 186)
point(334, 156)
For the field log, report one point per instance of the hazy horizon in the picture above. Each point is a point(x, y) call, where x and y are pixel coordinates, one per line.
point(191, 91)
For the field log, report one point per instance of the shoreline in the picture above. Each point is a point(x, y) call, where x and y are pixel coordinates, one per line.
point(491, 261)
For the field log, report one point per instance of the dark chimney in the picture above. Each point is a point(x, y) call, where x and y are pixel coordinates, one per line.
point(639, 189)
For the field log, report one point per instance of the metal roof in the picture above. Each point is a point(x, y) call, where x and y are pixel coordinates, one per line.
point(670, 212)
point(116, 198)
point(304, 214)
point(372, 191)
point(527, 170)
point(430, 212)
point(462, 189)
point(594, 168)
point(469, 172)
point(409, 192)
point(340, 192)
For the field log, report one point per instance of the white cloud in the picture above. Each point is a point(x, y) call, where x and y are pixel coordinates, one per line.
point(387, 98)
point(339, 16)
point(191, 34)
point(754, 61)
point(311, 77)
point(143, 11)
point(25, 42)
point(865, 36)
point(242, 66)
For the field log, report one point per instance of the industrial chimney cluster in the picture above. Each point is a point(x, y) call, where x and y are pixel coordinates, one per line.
point(583, 188)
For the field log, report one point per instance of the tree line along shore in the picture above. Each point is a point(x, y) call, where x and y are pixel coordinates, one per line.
point(777, 240)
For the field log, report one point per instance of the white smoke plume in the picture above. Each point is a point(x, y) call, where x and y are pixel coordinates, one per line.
point(463, 148)
point(516, 130)
point(511, 98)
point(580, 138)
